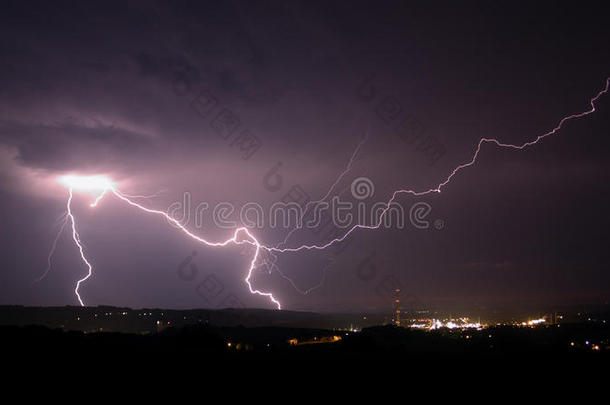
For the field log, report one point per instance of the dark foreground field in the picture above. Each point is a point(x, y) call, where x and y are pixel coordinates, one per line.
point(208, 344)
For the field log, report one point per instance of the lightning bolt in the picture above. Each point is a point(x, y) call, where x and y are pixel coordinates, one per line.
point(109, 188)
point(64, 221)
point(106, 187)
point(271, 264)
point(455, 171)
point(332, 187)
point(76, 238)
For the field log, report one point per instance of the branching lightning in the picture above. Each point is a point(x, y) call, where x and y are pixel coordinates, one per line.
point(331, 188)
point(78, 243)
point(64, 221)
point(271, 264)
point(439, 187)
point(103, 186)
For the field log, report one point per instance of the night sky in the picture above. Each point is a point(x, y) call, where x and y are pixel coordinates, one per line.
point(133, 90)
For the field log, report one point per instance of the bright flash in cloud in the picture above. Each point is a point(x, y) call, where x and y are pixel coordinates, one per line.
point(94, 183)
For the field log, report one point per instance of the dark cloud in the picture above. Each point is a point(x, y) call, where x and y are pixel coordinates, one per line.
point(114, 87)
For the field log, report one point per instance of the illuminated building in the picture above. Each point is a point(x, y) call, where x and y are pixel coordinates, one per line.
point(397, 310)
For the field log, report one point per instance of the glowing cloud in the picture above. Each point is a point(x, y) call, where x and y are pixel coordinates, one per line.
point(94, 183)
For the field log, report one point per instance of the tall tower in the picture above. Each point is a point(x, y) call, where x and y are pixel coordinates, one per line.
point(397, 310)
